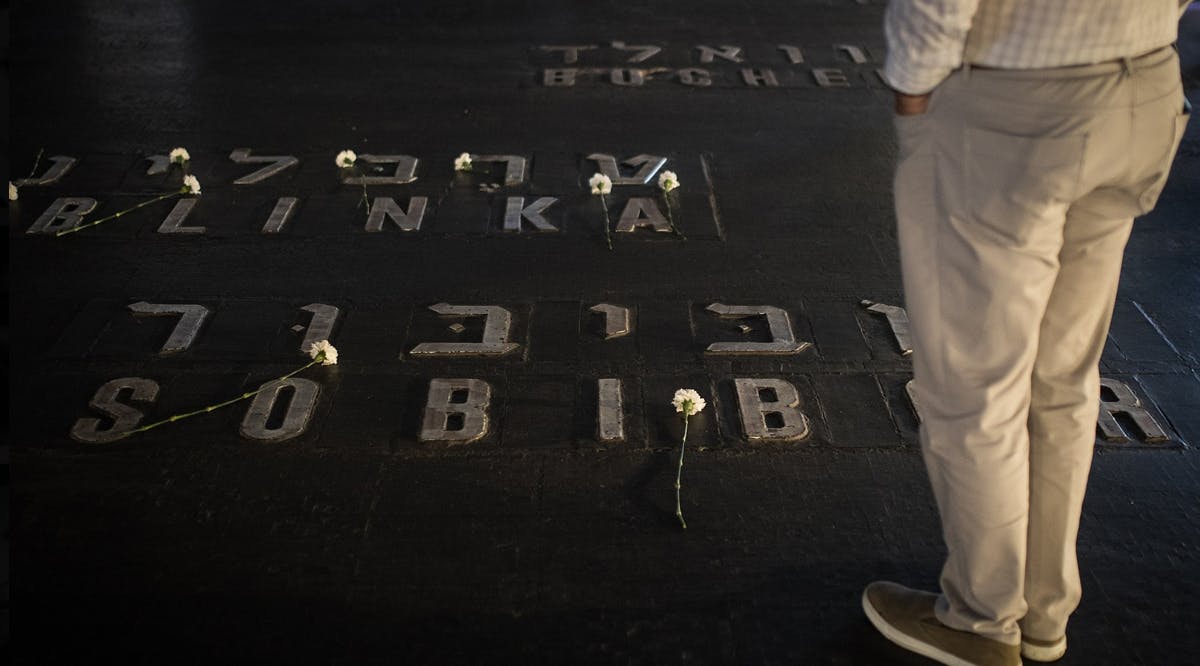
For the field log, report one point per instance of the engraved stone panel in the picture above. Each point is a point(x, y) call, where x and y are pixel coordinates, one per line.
point(275, 164)
point(124, 417)
point(406, 170)
point(441, 407)
point(1130, 406)
point(386, 208)
point(516, 210)
point(897, 318)
point(616, 320)
point(280, 215)
point(191, 318)
point(783, 340)
point(642, 212)
point(496, 329)
point(761, 401)
point(648, 167)
point(610, 424)
point(302, 403)
point(60, 165)
point(321, 327)
point(65, 213)
point(173, 224)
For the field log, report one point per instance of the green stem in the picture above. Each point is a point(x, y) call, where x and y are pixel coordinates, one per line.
point(679, 474)
point(671, 216)
point(36, 161)
point(114, 216)
point(210, 408)
point(607, 222)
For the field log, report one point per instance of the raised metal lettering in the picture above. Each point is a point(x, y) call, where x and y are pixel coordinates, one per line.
point(439, 407)
point(514, 167)
point(124, 417)
point(650, 164)
point(730, 53)
point(191, 318)
point(295, 420)
point(616, 320)
point(793, 54)
point(695, 76)
point(406, 170)
point(627, 77)
point(60, 165)
point(386, 208)
point(783, 341)
point(610, 415)
point(63, 214)
point(280, 215)
point(173, 224)
point(559, 78)
point(495, 332)
point(324, 317)
point(643, 53)
point(570, 52)
point(1127, 404)
point(642, 212)
point(159, 164)
point(913, 401)
point(897, 318)
point(782, 401)
point(830, 78)
point(275, 164)
point(759, 77)
point(516, 210)
point(857, 55)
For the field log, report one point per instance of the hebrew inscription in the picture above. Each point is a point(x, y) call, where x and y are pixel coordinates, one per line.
point(300, 407)
point(495, 332)
point(647, 166)
point(514, 167)
point(616, 320)
point(897, 319)
point(783, 340)
point(1126, 404)
point(406, 170)
point(640, 53)
point(60, 165)
point(123, 416)
point(191, 318)
point(471, 410)
point(275, 165)
point(770, 410)
point(159, 164)
point(63, 214)
point(321, 327)
point(284, 208)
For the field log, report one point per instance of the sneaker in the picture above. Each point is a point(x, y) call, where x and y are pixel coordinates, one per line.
point(1032, 648)
point(906, 618)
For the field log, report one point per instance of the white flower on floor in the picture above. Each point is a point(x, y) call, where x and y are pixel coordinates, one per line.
point(688, 402)
point(346, 159)
point(191, 184)
point(12, 191)
point(324, 352)
point(600, 184)
point(462, 162)
point(668, 181)
point(179, 155)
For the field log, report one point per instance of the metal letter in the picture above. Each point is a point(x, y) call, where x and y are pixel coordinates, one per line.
point(61, 165)
point(610, 416)
point(754, 410)
point(63, 214)
point(299, 410)
point(783, 341)
point(125, 418)
point(321, 327)
point(559, 78)
point(627, 77)
point(759, 77)
point(191, 318)
point(644, 52)
point(730, 53)
point(857, 55)
point(159, 164)
point(495, 332)
point(570, 53)
point(174, 222)
point(793, 53)
point(642, 212)
point(897, 318)
point(616, 320)
point(515, 211)
point(1128, 404)
point(275, 164)
point(438, 408)
point(280, 215)
point(406, 170)
point(913, 400)
point(387, 208)
point(695, 76)
point(650, 164)
point(831, 78)
point(514, 169)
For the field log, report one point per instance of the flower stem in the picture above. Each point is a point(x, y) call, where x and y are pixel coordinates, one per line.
point(679, 474)
point(607, 222)
point(114, 216)
point(36, 161)
point(205, 410)
point(671, 216)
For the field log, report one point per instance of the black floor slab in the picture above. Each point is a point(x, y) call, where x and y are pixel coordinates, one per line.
point(355, 541)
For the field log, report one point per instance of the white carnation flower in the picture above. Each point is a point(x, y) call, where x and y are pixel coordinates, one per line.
point(346, 159)
point(179, 155)
point(462, 162)
point(12, 191)
point(688, 402)
point(191, 184)
point(600, 184)
point(668, 181)
point(324, 352)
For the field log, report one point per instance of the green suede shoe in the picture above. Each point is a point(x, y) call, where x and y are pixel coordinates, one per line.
point(906, 618)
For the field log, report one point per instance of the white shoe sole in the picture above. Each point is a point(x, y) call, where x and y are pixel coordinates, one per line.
point(1044, 653)
point(908, 642)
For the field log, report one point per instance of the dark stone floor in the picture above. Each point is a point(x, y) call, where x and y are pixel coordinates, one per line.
point(355, 543)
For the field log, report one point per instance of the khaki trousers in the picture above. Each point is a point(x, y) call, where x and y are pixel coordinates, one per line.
point(1015, 195)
